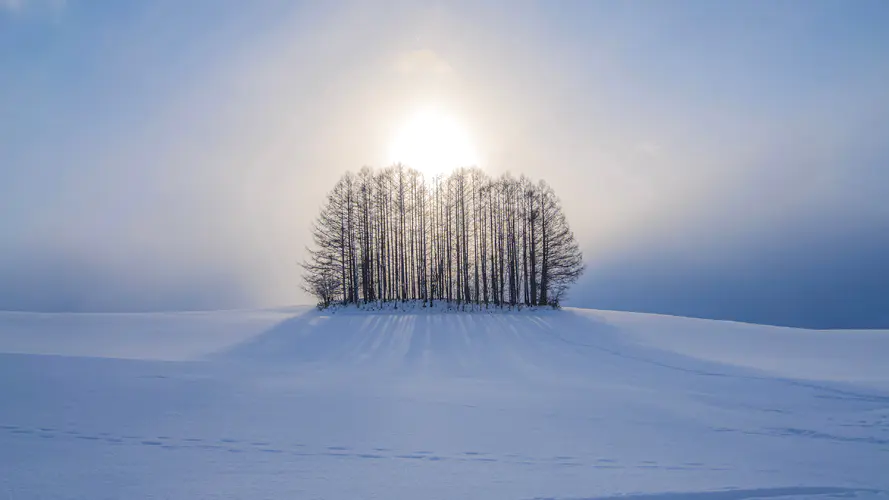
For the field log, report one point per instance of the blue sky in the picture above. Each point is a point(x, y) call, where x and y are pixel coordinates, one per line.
point(714, 159)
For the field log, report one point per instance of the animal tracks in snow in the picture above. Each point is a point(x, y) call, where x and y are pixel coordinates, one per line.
point(297, 451)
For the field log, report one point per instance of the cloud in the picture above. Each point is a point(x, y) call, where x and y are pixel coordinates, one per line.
point(423, 61)
point(703, 171)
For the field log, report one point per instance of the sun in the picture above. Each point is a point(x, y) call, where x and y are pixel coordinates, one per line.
point(432, 142)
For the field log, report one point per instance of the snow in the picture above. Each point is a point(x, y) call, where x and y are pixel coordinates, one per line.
point(437, 404)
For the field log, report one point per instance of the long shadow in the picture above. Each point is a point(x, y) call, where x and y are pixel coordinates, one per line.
point(451, 342)
point(553, 349)
point(524, 344)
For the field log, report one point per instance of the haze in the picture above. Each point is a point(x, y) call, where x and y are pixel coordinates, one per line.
point(724, 160)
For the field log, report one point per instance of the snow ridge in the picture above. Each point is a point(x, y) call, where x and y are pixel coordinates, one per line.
point(436, 403)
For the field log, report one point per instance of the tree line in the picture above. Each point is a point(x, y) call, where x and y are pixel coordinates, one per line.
point(387, 235)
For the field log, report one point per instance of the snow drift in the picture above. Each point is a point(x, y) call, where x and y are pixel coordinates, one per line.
point(434, 404)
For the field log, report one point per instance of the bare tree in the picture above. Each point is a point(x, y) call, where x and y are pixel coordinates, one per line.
point(386, 235)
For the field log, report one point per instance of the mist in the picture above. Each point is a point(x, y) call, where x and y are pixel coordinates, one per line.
point(719, 161)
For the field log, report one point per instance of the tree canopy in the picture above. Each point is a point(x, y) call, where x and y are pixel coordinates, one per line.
point(388, 235)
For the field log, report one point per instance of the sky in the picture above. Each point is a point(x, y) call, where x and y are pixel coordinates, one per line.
point(715, 159)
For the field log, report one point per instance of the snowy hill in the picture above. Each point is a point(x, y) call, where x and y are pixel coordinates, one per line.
point(533, 404)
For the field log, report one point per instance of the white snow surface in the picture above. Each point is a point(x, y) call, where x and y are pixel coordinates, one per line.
point(435, 404)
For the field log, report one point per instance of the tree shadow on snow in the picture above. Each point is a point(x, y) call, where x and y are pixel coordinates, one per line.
point(451, 343)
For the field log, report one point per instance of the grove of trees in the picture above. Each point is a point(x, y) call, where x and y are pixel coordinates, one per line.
point(387, 235)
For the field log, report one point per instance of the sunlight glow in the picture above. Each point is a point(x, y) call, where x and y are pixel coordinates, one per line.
point(433, 143)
